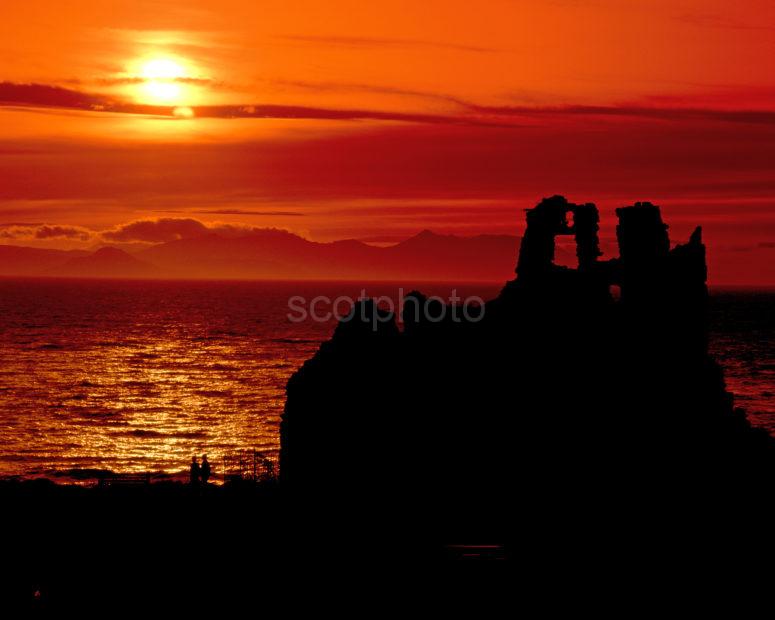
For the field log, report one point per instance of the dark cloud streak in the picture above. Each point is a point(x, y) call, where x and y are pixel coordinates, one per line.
point(766, 117)
point(249, 212)
point(37, 95)
point(710, 20)
point(339, 87)
point(385, 43)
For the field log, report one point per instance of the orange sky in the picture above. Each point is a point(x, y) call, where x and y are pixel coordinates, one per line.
point(376, 120)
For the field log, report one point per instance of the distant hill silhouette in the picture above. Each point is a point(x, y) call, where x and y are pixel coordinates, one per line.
point(279, 254)
point(21, 261)
point(106, 262)
point(276, 254)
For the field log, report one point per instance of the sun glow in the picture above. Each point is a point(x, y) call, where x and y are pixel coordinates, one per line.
point(162, 69)
point(163, 81)
point(162, 92)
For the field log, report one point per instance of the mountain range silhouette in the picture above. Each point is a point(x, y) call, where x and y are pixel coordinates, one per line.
point(276, 254)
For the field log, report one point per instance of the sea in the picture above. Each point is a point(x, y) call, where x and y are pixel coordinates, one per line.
point(135, 376)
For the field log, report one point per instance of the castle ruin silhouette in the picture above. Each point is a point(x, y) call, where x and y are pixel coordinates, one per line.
point(563, 400)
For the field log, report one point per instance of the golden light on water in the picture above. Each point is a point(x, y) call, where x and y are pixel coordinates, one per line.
point(139, 377)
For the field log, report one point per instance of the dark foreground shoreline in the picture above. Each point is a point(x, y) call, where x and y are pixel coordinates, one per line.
point(166, 545)
point(79, 545)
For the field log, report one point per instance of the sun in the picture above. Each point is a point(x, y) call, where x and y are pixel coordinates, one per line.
point(162, 92)
point(162, 81)
point(162, 69)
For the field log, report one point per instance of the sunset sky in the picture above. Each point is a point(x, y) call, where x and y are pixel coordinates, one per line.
point(375, 120)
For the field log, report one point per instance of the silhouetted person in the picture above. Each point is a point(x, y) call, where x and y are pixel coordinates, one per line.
point(196, 471)
point(205, 470)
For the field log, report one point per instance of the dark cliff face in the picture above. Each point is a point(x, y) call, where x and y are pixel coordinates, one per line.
point(560, 394)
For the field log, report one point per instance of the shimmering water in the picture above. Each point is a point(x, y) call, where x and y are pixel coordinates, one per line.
point(140, 376)
point(743, 341)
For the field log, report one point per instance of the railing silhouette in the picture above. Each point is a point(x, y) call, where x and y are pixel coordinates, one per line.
point(249, 465)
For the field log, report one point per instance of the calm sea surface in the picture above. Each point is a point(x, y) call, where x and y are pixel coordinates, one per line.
point(140, 376)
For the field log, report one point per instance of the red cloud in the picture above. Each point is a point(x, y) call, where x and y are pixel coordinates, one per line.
point(68, 232)
point(157, 231)
point(44, 231)
point(171, 229)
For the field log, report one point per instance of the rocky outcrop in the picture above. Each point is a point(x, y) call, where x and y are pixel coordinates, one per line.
point(562, 397)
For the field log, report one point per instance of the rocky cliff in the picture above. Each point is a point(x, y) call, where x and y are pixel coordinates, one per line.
point(563, 398)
